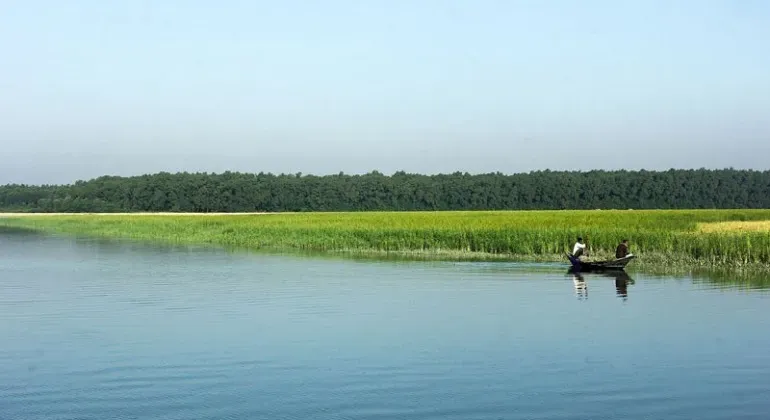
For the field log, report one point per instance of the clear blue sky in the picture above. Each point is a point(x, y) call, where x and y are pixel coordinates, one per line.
point(128, 87)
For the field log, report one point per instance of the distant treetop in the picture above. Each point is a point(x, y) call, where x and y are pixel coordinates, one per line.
point(238, 192)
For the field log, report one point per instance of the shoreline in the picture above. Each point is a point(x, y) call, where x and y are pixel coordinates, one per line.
point(649, 262)
point(748, 276)
point(524, 236)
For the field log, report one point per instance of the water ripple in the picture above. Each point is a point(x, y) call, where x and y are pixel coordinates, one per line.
point(96, 330)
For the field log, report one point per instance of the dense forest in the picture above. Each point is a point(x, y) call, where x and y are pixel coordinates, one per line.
point(241, 192)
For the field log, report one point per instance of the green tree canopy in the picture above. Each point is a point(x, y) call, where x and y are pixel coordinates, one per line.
point(244, 192)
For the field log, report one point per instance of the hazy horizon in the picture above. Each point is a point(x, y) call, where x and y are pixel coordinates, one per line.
point(93, 88)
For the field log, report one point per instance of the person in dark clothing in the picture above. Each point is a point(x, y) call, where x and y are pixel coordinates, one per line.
point(622, 250)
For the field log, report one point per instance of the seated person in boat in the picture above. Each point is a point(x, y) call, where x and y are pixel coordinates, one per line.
point(579, 248)
point(622, 250)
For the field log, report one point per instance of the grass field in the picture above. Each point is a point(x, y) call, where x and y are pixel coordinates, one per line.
point(668, 237)
point(735, 226)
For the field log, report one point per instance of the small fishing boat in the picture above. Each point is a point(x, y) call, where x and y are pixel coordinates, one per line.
point(615, 264)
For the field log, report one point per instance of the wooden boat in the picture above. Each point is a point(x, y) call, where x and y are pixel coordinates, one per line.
point(615, 264)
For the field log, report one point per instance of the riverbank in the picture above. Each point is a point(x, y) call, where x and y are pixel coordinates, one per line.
point(660, 238)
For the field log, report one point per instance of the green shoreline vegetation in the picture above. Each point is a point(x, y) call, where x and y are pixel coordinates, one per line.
point(533, 216)
point(662, 239)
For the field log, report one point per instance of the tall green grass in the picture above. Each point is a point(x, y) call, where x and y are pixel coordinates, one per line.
point(657, 236)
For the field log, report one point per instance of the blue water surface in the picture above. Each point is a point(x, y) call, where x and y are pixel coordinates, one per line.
point(95, 329)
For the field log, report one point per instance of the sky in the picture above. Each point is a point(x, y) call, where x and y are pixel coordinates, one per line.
point(126, 87)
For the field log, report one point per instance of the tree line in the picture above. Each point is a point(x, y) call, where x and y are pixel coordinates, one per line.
point(245, 192)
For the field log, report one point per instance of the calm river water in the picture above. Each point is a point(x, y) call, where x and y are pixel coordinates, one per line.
point(100, 330)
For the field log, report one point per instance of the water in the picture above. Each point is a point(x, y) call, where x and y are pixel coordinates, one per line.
point(96, 330)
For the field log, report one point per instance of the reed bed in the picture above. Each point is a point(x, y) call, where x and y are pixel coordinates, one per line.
point(735, 227)
point(693, 237)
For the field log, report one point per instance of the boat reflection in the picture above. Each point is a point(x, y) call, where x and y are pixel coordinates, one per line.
point(581, 287)
point(622, 280)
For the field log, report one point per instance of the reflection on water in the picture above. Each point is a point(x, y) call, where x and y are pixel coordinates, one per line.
point(622, 281)
point(100, 329)
point(581, 287)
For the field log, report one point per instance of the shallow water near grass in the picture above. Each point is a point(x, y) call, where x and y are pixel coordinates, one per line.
point(94, 329)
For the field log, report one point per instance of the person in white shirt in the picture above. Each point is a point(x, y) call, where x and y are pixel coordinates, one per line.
point(579, 248)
